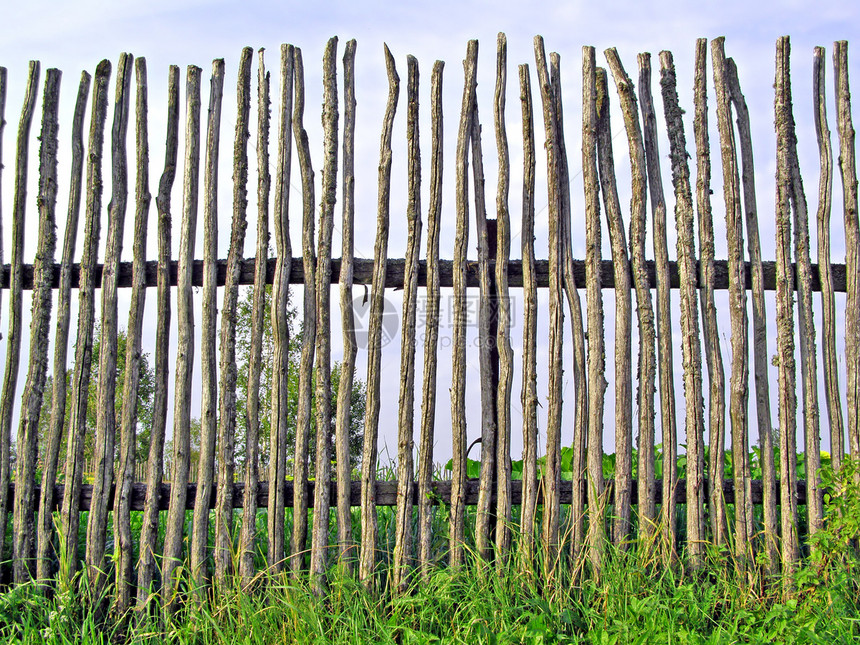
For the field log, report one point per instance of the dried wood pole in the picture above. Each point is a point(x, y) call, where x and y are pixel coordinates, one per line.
point(128, 417)
point(503, 335)
point(552, 469)
point(208, 340)
point(528, 395)
point(146, 568)
point(431, 340)
point(303, 420)
point(458, 378)
point(664, 312)
point(577, 510)
point(347, 366)
point(106, 416)
point(760, 353)
point(258, 309)
point(485, 337)
point(710, 331)
point(45, 536)
point(319, 537)
point(13, 347)
point(185, 346)
point(785, 316)
point(691, 351)
point(596, 536)
point(848, 172)
point(23, 537)
point(70, 515)
point(623, 316)
point(367, 556)
point(806, 324)
point(405, 435)
point(228, 369)
point(280, 322)
point(737, 309)
point(828, 301)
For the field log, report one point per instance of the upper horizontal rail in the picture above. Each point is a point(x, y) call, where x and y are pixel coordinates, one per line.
point(363, 273)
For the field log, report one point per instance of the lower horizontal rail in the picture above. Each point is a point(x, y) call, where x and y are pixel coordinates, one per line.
point(386, 493)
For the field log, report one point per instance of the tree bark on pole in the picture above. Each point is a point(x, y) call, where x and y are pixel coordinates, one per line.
point(228, 370)
point(280, 323)
point(405, 439)
point(596, 536)
point(70, 516)
point(458, 378)
point(16, 268)
point(247, 549)
point(785, 319)
point(690, 348)
point(664, 313)
point(369, 538)
point(128, 416)
point(710, 331)
point(431, 340)
point(304, 414)
point(149, 525)
point(347, 366)
point(45, 539)
point(828, 301)
point(760, 351)
point(23, 536)
point(208, 341)
point(185, 347)
point(319, 537)
point(848, 174)
point(621, 527)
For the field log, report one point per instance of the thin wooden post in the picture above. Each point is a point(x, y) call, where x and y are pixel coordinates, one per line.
point(175, 524)
point(319, 537)
point(199, 538)
point(23, 537)
point(405, 435)
point(848, 174)
point(223, 555)
point(760, 353)
point(309, 330)
point(552, 468)
point(577, 509)
point(664, 313)
point(621, 527)
point(528, 395)
point(710, 331)
point(70, 515)
point(594, 301)
point(503, 312)
point(258, 307)
point(128, 418)
point(738, 384)
point(45, 537)
point(690, 348)
point(828, 301)
point(458, 378)
point(280, 322)
point(785, 318)
point(13, 346)
point(431, 340)
point(367, 556)
point(347, 366)
point(147, 565)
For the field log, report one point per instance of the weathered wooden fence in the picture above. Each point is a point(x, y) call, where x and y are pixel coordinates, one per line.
point(578, 517)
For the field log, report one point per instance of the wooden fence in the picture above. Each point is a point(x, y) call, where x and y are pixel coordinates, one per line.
point(577, 518)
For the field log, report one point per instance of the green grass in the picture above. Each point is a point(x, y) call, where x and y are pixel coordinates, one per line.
point(637, 600)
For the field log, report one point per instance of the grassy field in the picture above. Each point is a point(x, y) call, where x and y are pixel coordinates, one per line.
point(637, 600)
